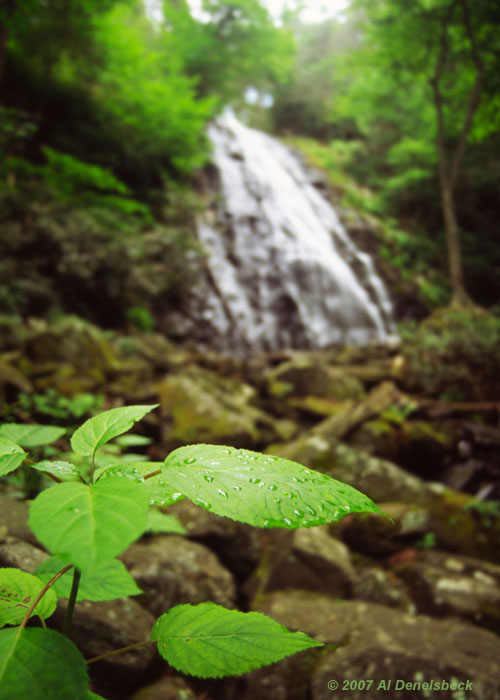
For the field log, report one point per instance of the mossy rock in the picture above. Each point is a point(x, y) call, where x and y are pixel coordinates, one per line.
point(306, 375)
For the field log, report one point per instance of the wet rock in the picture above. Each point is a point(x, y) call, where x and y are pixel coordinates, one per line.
point(14, 518)
point(342, 423)
point(286, 680)
point(306, 559)
point(101, 627)
point(19, 554)
point(238, 546)
point(448, 584)
point(167, 688)
point(172, 570)
point(380, 643)
point(306, 375)
point(202, 407)
point(375, 585)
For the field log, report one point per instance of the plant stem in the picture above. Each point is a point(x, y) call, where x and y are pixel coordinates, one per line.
point(71, 602)
point(122, 650)
point(151, 474)
point(41, 594)
point(92, 465)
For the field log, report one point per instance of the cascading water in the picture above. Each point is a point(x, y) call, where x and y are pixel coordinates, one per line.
point(282, 271)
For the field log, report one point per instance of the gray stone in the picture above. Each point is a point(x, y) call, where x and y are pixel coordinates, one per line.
point(380, 643)
point(449, 584)
point(172, 570)
point(307, 559)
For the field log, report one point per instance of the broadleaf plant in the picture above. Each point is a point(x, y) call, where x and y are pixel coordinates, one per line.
point(85, 522)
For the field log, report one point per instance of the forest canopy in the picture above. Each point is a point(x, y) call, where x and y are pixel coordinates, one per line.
point(105, 122)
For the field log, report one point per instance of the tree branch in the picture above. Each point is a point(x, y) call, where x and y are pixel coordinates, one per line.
point(474, 97)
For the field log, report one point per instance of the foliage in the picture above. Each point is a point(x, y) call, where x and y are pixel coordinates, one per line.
point(454, 354)
point(89, 255)
point(86, 523)
point(54, 405)
point(234, 46)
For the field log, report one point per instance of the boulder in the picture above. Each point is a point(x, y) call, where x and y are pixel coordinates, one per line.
point(443, 584)
point(172, 570)
point(306, 375)
point(200, 406)
point(101, 627)
point(378, 643)
point(14, 515)
point(166, 688)
point(307, 559)
point(19, 554)
point(376, 585)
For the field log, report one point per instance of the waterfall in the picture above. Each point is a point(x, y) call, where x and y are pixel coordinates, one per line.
point(282, 272)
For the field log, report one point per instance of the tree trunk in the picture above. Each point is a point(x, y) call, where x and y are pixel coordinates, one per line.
point(3, 46)
point(459, 295)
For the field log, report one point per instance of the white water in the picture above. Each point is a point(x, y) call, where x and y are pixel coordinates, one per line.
point(284, 273)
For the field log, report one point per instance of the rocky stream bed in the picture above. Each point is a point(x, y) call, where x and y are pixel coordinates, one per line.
point(416, 600)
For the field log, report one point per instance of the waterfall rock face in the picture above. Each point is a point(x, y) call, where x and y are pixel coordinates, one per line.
point(282, 273)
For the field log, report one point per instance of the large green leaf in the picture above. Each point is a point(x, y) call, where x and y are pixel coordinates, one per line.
point(89, 525)
point(11, 456)
point(162, 522)
point(159, 491)
point(104, 427)
point(18, 590)
point(38, 664)
point(63, 470)
point(210, 641)
point(106, 583)
point(260, 489)
point(31, 435)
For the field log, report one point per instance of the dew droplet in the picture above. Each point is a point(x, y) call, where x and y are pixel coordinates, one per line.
point(267, 523)
point(190, 460)
point(287, 521)
point(291, 495)
point(237, 488)
point(176, 496)
point(151, 501)
point(299, 513)
point(204, 504)
point(222, 493)
point(254, 480)
point(272, 487)
point(182, 474)
point(208, 478)
point(310, 510)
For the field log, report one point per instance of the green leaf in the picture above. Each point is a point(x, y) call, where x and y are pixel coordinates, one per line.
point(161, 522)
point(89, 525)
point(260, 489)
point(63, 470)
point(210, 641)
point(31, 435)
point(11, 456)
point(159, 491)
point(40, 664)
point(104, 427)
point(106, 583)
point(18, 590)
point(133, 440)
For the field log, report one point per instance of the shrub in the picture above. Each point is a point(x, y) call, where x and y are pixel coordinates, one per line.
point(94, 512)
point(454, 354)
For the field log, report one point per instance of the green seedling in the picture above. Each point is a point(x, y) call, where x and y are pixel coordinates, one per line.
point(86, 522)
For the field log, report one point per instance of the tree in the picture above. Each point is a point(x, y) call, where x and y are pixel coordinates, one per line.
point(429, 75)
point(233, 46)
